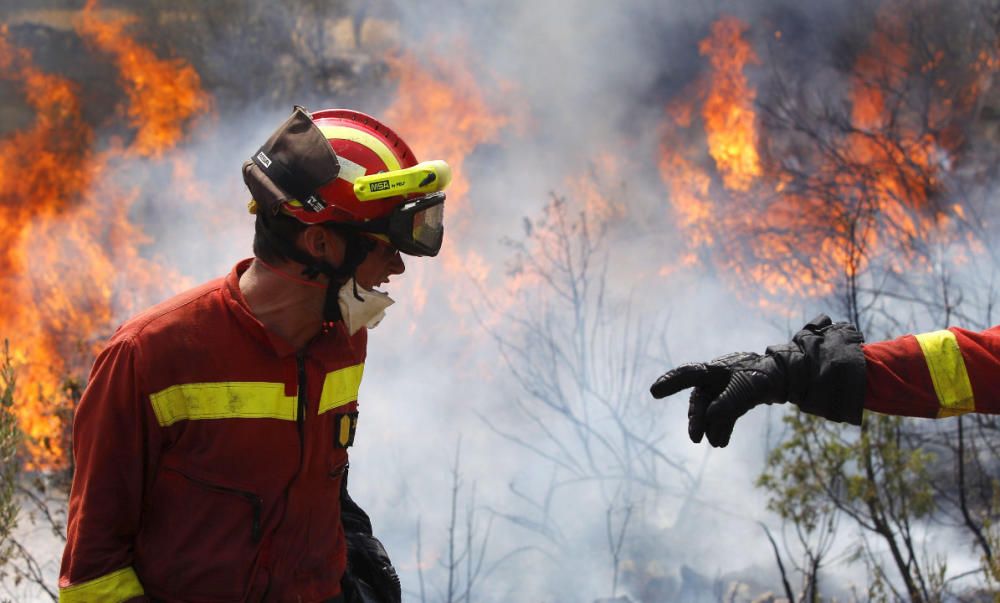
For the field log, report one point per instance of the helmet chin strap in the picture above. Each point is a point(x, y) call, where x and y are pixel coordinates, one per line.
point(356, 249)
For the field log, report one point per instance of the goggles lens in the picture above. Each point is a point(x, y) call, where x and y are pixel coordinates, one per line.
point(417, 226)
point(428, 226)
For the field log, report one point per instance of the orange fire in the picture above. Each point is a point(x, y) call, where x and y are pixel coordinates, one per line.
point(728, 109)
point(46, 165)
point(442, 111)
point(163, 94)
point(805, 220)
point(72, 266)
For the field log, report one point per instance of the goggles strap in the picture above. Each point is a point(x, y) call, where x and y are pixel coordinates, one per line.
point(374, 226)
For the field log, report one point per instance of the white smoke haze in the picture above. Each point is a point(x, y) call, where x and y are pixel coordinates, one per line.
point(585, 86)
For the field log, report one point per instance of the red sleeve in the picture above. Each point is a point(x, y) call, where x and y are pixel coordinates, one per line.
point(115, 441)
point(936, 374)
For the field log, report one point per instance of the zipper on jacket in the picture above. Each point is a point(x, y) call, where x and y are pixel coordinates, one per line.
point(255, 501)
point(300, 425)
point(300, 416)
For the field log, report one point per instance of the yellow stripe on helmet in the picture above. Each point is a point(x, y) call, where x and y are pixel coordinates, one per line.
point(948, 373)
point(365, 139)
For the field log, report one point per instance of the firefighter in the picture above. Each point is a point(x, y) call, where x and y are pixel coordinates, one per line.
point(211, 443)
point(827, 370)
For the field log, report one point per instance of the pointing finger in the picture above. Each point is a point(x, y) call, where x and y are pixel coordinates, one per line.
point(682, 377)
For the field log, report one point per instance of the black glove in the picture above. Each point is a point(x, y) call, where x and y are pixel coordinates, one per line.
point(724, 390)
point(370, 576)
point(822, 370)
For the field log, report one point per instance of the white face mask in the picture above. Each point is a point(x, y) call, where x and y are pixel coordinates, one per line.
point(365, 313)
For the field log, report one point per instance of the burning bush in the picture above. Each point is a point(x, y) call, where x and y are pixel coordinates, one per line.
point(833, 177)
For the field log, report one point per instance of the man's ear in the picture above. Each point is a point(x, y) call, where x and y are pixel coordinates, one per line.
point(320, 242)
point(313, 241)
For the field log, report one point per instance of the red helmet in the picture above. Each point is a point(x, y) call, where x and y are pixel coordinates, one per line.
point(364, 146)
point(370, 181)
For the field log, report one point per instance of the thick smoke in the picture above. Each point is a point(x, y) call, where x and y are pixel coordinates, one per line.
point(584, 87)
point(593, 81)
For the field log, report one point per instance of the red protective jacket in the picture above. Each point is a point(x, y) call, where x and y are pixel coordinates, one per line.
point(936, 374)
point(209, 456)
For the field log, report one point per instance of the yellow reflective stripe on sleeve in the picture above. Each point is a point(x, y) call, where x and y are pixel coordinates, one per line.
point(947, 368)
point(224, 400)
point(363, 138)
point(341, 387)
point(115, 587)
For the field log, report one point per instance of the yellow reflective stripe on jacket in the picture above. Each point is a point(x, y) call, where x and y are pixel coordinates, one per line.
point(117, 586)
point(249, 400)
point(948, 373)
point(224, 400)
point(341, 387)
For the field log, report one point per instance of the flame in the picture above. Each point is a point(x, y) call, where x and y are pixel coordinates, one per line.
point(689, 187)
point(442, 111)
point(38, 187)
point(728, 109)
point(802, 225)
point(163, 94)
point(72, 264)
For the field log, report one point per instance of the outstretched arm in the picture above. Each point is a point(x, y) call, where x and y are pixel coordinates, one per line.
point(937, 374)
point(827, 371)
